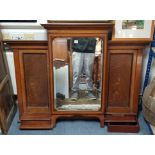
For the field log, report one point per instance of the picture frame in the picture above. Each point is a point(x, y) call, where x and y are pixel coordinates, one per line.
point(133, 30)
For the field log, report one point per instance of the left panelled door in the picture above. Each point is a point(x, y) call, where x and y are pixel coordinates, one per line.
point(33, 88)
point(7, 100)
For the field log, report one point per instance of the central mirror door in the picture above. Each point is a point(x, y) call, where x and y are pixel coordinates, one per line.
point(78, 73)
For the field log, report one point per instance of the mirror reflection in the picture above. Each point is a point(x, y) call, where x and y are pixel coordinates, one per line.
point(77, 66)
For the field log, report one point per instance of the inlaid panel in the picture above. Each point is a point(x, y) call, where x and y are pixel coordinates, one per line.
point(36, 79)
point(120, 79)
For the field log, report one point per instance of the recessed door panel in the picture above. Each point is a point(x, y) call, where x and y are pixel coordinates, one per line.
point(35, 82)
point(122, 65)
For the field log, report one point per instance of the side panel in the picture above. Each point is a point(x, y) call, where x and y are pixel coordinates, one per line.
point(121, 79)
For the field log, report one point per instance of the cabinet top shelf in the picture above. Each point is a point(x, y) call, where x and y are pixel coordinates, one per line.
point(52, 25)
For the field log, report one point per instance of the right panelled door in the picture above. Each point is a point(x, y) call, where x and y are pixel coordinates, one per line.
point(123, 85)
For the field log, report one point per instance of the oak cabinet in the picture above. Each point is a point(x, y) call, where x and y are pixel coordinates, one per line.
point(120, 72)
point(32, 76)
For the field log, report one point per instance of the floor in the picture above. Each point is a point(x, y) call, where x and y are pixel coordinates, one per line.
point(76, 127)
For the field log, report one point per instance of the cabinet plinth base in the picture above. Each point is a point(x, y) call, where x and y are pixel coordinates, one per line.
point(124, 127)
point(127, 127)
point(29, 124)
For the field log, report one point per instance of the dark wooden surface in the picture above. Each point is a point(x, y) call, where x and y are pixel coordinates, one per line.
point(120, 79)
point(78, 25)
point(35, 75)
point(80, 21)
point(123, 127)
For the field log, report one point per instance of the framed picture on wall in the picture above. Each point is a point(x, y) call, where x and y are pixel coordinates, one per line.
point(133, 30)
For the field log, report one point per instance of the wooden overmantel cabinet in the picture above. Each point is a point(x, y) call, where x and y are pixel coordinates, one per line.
point(121, 79)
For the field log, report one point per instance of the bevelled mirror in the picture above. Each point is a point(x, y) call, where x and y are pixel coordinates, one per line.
point(78, 73)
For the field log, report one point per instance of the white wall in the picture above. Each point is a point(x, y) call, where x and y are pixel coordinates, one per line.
point(23, 31)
